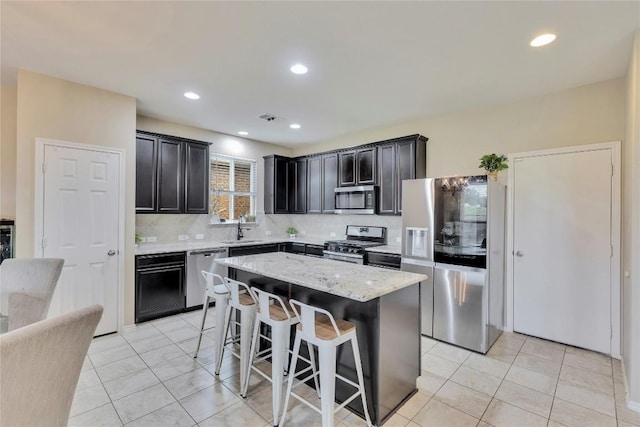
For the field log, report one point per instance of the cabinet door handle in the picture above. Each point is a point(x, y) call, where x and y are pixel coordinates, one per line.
point(519, 254)
point(111, 252)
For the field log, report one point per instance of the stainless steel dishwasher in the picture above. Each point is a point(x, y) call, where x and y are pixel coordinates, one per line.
point(196, 262)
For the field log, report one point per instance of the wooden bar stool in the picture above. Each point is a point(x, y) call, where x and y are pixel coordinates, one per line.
point(319, 328)
point(276, 313)
point(243, 302)
point(216, 290)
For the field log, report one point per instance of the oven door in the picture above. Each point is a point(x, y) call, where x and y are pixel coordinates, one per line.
point(352, 258)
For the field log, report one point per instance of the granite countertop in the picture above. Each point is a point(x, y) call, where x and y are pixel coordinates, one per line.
point(357, 282)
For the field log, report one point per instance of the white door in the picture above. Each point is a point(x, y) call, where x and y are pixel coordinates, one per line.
point(80, 225)
point(562, 247)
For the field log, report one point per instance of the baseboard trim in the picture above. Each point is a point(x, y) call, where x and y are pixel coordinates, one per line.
point(631, 404)
point(634, 406)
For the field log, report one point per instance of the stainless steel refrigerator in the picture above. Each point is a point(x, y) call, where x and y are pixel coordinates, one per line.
point(453, 231)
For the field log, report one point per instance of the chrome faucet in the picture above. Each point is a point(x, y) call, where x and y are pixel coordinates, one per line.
point(240, 235)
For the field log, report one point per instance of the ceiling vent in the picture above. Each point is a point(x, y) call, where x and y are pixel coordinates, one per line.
point(269, 117)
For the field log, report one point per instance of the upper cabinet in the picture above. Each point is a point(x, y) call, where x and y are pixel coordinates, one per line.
point(357, 167)
point(399, 159)
point(322, 179)
point(172, 174)
point(276, 184)
point(329, 182)
point(307, 184)
point(298, 187)
point(146, 173)
point(196, 178)
point(285, 185)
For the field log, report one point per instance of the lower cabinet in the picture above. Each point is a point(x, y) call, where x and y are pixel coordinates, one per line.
point(159, 285)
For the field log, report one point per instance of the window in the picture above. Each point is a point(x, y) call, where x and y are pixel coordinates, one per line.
point(232, 187)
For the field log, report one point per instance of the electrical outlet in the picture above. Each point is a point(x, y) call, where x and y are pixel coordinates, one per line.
point(183, 237)
point(143, 239)
point(398, 240)
point(267, 232)
point(332, 234)
point(151, 239)
point(199, 236)
point(303, 232)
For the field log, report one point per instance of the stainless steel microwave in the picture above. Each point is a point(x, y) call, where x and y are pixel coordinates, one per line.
point(356, 200)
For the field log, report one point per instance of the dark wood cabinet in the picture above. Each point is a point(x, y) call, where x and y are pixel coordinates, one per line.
point(347, 168)
point(322, 179)
point(329, 182)
point(298, 187)
point(172, 175)
point(399, 159)
point(276, 184)
point(146, 172)
point(170, 184)
point(253, 249)
point(357, 167)
point(314, 185)
point(196, 178)
point(387, 194)
point(366, 166)
point(159, 285)
point(384, 164)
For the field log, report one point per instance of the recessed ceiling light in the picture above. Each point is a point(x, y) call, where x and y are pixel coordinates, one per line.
point(542, 40)
point(191, 95)
point(294, 126)
point(243, 133)
point(298, 69)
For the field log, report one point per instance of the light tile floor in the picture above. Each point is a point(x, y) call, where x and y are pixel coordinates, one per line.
point(147, 377)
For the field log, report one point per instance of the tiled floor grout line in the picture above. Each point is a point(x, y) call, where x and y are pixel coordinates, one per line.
point(511, 350)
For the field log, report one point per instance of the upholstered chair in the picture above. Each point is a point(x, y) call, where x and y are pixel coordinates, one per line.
point(28, 285)
point(40, 365)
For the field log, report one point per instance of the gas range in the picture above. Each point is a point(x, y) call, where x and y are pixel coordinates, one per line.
point(353, 248)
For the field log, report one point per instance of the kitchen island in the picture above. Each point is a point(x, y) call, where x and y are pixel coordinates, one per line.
point(382, 303)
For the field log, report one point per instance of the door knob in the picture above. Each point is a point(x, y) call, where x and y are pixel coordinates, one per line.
point(519, 254)
point(111, 252)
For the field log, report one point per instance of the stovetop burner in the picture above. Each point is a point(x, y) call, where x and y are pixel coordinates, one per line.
point(359, 238)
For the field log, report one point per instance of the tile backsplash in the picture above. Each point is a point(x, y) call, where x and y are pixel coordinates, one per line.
point(168, 228)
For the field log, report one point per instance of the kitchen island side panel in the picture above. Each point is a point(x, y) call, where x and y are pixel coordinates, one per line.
point(399, 347)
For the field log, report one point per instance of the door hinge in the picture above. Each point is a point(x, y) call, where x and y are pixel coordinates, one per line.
point(44, 167)
point(611, 251)
point(610, 332)
point(44, 242)
point(611, 170)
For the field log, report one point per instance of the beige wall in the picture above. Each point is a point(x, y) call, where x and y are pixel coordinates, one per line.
point(8, 107)
point(584, 115)
point(631, 229)
point(221, 144)
point(62, 110)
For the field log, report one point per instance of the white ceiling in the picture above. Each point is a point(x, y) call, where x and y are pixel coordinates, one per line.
point(371, 64)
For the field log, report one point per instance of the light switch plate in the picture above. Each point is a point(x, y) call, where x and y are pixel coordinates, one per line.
point(332, 234)
point(199, 236)
point(152, 239)
point(267, 232)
